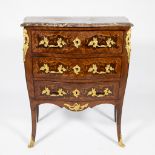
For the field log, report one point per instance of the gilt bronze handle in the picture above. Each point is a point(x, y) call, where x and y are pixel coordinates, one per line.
point(93, 93)
point(94, 43)
point(46, 69)
point(93, 69)
point(47, 92)
point(45, 43)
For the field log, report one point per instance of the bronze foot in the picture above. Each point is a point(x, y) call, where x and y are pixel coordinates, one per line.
point(31, 144)
point(120, 143)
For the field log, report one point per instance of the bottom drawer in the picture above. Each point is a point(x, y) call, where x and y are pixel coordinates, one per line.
point(76, 91)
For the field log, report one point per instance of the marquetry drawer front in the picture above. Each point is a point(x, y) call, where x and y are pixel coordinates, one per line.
point(76, 91)
point(61, 68)
point(77, 42)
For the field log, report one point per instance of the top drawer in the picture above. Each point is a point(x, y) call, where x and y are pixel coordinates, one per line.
point(77, 42)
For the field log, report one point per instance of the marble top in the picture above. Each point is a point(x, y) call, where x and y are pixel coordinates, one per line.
point(76, 21)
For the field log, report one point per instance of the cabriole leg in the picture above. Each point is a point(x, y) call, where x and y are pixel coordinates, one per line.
point(33, 133)
point(118, 119)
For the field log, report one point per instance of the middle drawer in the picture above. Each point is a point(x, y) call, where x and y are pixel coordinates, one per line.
point(65, 68)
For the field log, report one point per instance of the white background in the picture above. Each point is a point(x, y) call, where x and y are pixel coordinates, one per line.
point(92, 131)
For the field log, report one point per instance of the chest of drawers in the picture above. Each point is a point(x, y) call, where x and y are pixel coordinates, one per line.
point(76, 63)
